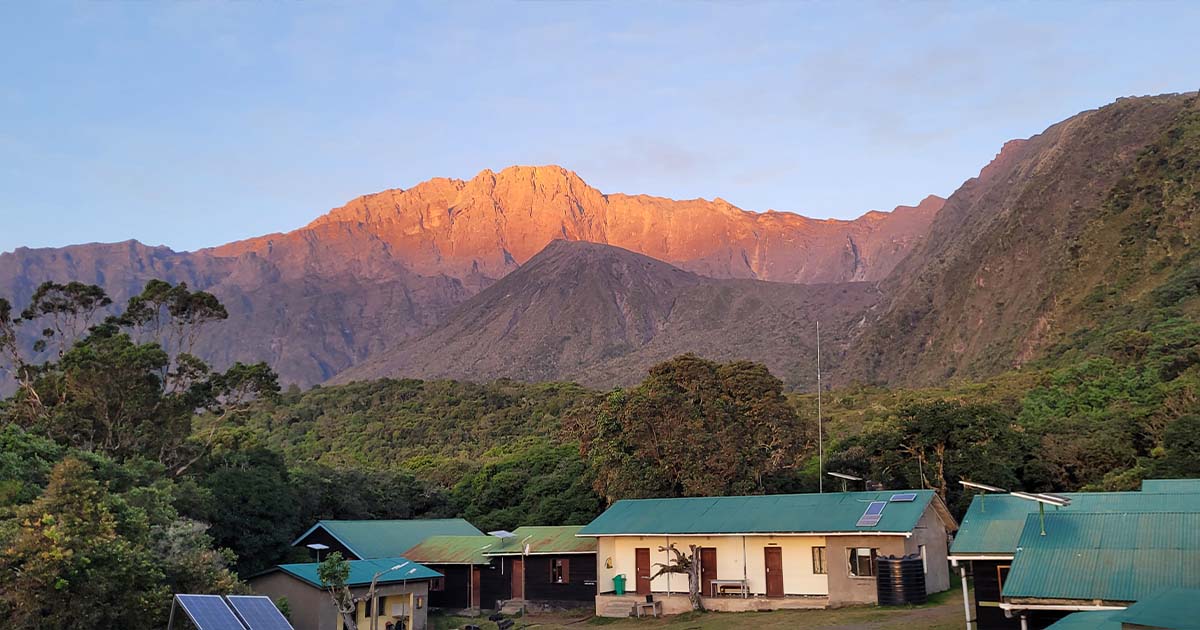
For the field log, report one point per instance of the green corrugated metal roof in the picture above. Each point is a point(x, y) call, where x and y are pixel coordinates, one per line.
point(386, 538)
point(1171, 485)
point(1174, 608)
point(541, 539)
point(994, 522)
point(452, 549)
point(1089, 620)
point(1110, 557)
point(361, 571)
point(780, 513)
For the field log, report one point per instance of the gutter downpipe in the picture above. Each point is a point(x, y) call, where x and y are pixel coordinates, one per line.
point(745, 574)
point(1024, 622)
point(962, 571)
point(668, 554)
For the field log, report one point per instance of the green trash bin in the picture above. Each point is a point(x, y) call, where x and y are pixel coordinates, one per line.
point(619, 583)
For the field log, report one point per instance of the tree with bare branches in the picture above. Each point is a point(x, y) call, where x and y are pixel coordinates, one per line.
point(686, 564)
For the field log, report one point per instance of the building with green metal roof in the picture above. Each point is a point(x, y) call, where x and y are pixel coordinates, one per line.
point(553, 566)
point(828, 513)
point(792, 549)
point(473, 581)
point(992, 528)
point(1103, 559)
point(453, 549)
point(366, 539)
point(544, 540)
point(1170, 609)
point(993, 523)
point(401, 593)
point(1088, 620)
point(542, 567)
point(1171, 485)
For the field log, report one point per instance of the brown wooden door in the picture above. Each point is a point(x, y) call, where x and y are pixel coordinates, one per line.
point(708, 570)
point(774, 562)
point(474, 586)
point(518, 578)
point(642, 569)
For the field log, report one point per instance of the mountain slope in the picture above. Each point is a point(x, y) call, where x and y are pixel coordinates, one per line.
point(1013, 257)
point(603, 315)
point(307, 327)
point(389, 266)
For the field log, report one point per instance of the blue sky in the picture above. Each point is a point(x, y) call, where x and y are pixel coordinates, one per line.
point(193, 123)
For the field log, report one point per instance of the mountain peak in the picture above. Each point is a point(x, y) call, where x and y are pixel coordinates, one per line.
point(483, 228)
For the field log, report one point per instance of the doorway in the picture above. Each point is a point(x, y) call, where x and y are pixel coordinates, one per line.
point(642, 569)
point(518, 578)
point(774, 563)
point(708, 570)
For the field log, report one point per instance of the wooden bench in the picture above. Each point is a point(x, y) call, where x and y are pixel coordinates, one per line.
point(720, 587)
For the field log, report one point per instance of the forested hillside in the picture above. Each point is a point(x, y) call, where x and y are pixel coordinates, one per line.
point(1071, 231)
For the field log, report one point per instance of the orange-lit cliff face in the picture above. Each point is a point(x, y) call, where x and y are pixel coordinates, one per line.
point(482, 229)
point(358, 282)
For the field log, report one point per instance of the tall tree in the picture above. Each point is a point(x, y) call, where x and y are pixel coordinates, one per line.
point(333, 573)
point(693, 427)
point(109, 393)
point(69, 565)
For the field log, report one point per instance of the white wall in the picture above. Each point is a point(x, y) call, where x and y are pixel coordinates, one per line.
point(737, 558)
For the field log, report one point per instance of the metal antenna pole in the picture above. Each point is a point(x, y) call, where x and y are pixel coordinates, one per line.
point(820, 427)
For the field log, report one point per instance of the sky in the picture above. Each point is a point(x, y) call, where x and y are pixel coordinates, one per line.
point(192, 123)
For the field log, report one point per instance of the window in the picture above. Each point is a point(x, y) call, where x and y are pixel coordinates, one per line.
point(862, 561)
point(365, 608)
point(819, 561)
point(924, 562)
point(1001, 575)
point(560, 571)
point(437, 584)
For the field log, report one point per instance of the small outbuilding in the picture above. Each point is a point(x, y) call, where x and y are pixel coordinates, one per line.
point(472, 581)
point(401, 603)
point(552, 567)
point(539, 568)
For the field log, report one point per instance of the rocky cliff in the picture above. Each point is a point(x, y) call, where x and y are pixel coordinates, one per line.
point(360, 280)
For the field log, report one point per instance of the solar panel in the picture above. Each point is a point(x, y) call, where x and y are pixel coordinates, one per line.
point(907, 497)
point(259, 612)
point(870, 518)
point(209, 612)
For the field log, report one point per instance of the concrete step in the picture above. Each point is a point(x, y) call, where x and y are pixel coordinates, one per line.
point(617, 609)
point(513, 607)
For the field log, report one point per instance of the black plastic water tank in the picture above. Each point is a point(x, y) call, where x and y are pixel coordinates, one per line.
point(900, 581)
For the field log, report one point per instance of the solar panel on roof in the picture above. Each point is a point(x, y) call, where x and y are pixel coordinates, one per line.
point(259, 612)
point(907, 497)
point(209, 612)
point(871, 516)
